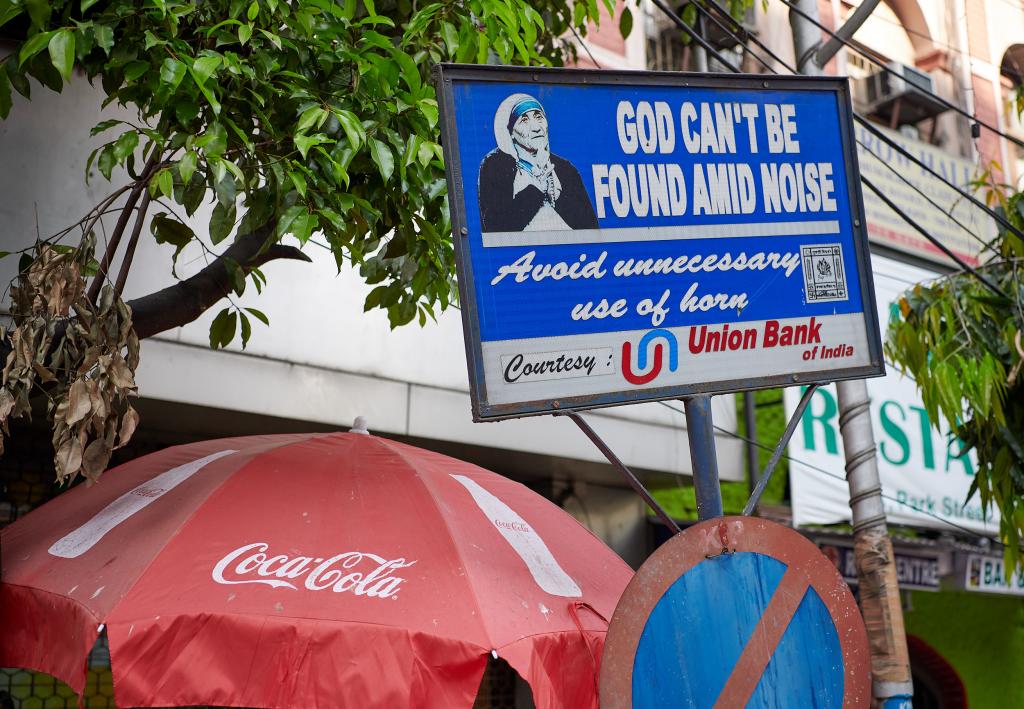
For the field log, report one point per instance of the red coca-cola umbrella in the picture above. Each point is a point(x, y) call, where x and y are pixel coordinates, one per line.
point(301, 571)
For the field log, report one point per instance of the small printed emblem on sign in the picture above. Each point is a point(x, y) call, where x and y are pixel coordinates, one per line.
point(824, 277)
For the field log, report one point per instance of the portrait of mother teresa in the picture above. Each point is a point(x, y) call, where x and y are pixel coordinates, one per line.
point(523, 186)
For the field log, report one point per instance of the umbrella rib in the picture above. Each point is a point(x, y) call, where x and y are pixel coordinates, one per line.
point(444, 520)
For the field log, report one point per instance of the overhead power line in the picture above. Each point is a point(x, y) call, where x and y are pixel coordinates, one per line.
point(881, 65)
point(942, 247)
point(686, 28)
point(881, 136)
point(871, 128)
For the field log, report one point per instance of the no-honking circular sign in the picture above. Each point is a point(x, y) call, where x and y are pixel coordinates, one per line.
point(736, 612)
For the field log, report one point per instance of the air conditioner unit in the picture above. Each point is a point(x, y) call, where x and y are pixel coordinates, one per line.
point(901, 95)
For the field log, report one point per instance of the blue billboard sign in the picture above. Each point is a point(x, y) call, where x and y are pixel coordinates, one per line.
point(627, 236)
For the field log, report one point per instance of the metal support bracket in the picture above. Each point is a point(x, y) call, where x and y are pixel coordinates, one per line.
point(632, 479)
point(766, 476)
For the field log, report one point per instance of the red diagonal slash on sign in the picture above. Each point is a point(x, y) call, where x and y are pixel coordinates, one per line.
point(766, 636)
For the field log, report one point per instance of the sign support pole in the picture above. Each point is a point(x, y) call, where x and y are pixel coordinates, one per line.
point(701, 433)
point(876, 563)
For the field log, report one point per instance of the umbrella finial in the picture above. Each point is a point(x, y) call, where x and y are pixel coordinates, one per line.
point(359, 426)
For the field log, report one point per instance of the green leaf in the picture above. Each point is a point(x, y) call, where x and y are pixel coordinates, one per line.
point(214, 141)
point(193, 195)
point(125, 145)
point(425, 153)
point(246, 328)
point(104, 35)
point(284, 224)
point(273, 38)
point(254, 11)
point(86, 4)
point(305, 142)
point(203, 68)
point(244, 33)
point(8, 11)
point(312, 115)
point(258, 314)
point(428, 107)
point(5, 93)
point(410, 72)
point(450, 36)
point(222, 222)
point(298, 222)
point(625, 22)
point(185, 110)
point(171, 73)
point(222, 329)
point(33, 46)
point(106, 161)
point(187, 166)
point(38, 11)
point(171, 231)
point(62, 52)
point(383, 157)
point(353, 128)
point(162, 182)
point(299, 181)
point(134, 70)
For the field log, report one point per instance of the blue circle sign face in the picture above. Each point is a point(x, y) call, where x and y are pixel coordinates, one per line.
point(736, 612)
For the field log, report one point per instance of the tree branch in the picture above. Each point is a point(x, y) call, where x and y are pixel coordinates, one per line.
point(183, 302)
point(133, 241)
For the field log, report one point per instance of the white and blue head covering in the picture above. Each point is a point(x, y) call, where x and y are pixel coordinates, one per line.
point(509, 111)
point(528, 103)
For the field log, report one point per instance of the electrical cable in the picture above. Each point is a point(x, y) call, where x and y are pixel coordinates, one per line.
point(886, 69)
point(694, 35)
point(579, 41)
point(947, 211)
point(867, 124)
point(725, 13)
point(774, 56)
point(1003, 221)
point(828, 473)
point(682, 25)
point(704, 11)
point(938, 244)
point(871, 128)
point(881, 136)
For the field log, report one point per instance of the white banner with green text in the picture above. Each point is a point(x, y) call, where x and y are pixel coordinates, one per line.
point(925, 478)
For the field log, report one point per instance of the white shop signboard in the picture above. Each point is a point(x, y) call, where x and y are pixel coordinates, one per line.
point(988, 574)
point(923, 474)
point(898, 177)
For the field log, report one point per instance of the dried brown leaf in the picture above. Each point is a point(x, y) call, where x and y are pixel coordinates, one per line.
point(129, 422)
point(96, 458)
point(132, 357)
point(120, 374)
point(6, 404)
point(69, 458)
point(79, 403)
point(45, 374)
point(97, 400)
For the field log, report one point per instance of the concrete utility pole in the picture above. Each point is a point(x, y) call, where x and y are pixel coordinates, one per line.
point(876, 563)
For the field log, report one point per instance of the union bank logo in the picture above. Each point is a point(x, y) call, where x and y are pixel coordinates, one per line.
point(653, 342)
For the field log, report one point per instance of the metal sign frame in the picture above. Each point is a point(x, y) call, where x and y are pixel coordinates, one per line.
point(447, 74)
